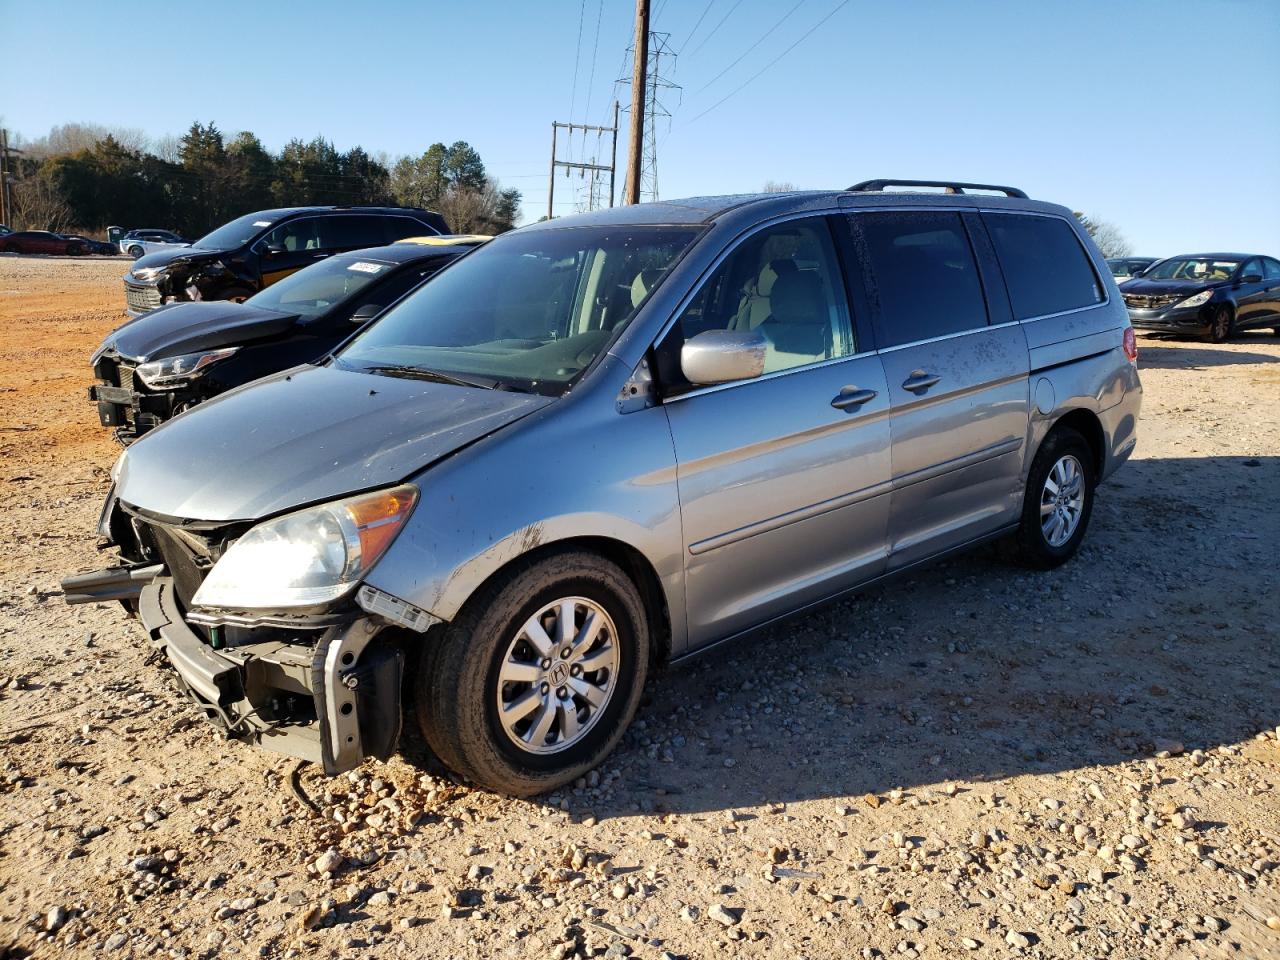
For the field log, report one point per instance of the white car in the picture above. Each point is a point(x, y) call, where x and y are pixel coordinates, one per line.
point(138, 243)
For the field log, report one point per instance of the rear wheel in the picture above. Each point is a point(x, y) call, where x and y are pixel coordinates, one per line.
point(1058, 501)
point(1223, 323)
point(537, 678)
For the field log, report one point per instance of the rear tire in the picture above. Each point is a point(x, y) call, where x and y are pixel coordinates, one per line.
point(1223, 325)
point(1058, 501)
point(494, 659)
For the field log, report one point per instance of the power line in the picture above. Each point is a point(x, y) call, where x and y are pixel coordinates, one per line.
point(765, 36)
point(714, 30)
point(755, 76)
point(586, 111)
point(694, 31)
point(577, 55)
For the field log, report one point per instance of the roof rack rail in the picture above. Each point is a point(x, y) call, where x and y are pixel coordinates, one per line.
point(950, 186)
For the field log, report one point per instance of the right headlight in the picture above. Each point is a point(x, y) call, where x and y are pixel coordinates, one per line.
point(173, 372)
point(147, 274)
point(1196, 299)
point(310, 557)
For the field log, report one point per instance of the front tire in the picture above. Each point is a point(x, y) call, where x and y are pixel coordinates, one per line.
point(1223, 325)
point(136, 252)
point(539, 675)
point(1058, 501)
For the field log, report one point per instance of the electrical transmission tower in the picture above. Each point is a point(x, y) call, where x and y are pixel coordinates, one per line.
point(657, 94)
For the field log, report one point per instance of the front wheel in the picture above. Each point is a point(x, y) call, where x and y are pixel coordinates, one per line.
point(1058, 501)
point(537, 678)
point(1221, 329)
point(136, 252)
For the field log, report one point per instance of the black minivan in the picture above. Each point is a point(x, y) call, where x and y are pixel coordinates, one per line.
point(254, 251)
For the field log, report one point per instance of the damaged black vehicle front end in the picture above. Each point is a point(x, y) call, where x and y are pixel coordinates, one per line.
point(315, 680)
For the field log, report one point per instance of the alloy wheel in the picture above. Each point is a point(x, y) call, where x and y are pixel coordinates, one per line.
point(557, 675)
point(1062, 501)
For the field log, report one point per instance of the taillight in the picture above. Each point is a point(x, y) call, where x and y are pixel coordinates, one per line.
point(1130, 344)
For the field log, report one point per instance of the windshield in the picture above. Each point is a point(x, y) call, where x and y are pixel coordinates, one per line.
point(528, 310)
point(1193, 268)
point(321, 286)
point(234, 234)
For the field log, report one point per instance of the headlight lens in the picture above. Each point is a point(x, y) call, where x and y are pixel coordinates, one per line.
point(173, 372)
point(147, 274)
point(310, 557)
point(1196, 300)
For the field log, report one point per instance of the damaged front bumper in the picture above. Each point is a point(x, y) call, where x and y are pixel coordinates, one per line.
point(330, 694)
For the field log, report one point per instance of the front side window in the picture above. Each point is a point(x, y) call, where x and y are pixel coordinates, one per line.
point(1045, 266)
point(298, 236)
point(526, 311)
point(1252, 268)
point(782, 282)
point(1270, 268)
point(925, 277)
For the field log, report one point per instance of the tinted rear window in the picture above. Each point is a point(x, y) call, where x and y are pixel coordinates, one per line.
point(1045, 267)
point(924, 275)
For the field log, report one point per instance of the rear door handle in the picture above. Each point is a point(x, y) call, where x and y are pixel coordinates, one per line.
point(918, 381)
point(850, 398)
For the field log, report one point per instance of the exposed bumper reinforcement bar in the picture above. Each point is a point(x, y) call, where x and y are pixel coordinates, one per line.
point(113, 583)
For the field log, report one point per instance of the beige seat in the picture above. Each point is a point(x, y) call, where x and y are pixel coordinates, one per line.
point(754, 307)
point(642, 284)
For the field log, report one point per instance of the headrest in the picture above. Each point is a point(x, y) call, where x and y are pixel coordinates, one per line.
point(797, 298)
point(770, 273)
point(642, 284)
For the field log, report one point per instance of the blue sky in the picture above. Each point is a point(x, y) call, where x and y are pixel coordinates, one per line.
point(1162, 116)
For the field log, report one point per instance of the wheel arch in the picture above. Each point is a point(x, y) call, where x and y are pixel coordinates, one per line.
point(1086, 423)
point(633, 563)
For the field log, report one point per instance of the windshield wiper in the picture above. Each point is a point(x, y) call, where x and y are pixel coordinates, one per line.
point(422, 373)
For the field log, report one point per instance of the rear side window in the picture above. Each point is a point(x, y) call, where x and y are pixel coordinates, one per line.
point(923, 275)
point(397, 228)
point(354, 231)
point(1045, 266)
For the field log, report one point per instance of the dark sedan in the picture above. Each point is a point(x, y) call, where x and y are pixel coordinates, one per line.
point(182, 354)
point(1210, 295)
point(41, 241)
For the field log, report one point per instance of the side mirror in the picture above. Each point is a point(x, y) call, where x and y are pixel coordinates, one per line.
point(272, 249)
point(1251, 278)
point(366, 312)
point(722, 356)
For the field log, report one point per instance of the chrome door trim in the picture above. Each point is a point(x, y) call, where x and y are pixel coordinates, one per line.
point(1012, 445)
point(785, 519)
point(949, 336)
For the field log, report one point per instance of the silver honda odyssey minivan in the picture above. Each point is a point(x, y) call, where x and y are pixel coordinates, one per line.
point(603, 443)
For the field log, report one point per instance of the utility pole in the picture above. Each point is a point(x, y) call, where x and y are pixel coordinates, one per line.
point(592, 168)
point(5, 212)
point(638, 86)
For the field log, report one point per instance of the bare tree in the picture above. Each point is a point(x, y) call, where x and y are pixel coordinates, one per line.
point(779, 186)
point(1110, 240)
point(37, 205)
point(167, 147)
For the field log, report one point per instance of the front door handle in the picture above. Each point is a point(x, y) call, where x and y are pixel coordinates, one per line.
point(918, 381)
point(850, 398)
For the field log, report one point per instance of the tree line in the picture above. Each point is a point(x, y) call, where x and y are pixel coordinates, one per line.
point(85, 178)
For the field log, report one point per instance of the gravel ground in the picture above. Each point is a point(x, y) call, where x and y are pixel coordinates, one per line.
point(974, 762)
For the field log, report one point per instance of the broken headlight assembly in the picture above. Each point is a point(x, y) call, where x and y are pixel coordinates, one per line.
point(149, 274)
point(173, 372)
point(308, 558)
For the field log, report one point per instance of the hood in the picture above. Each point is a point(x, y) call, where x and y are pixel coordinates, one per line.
point(1148, 288)
point(186, 327)
point(305, 436)
point(162, 258)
